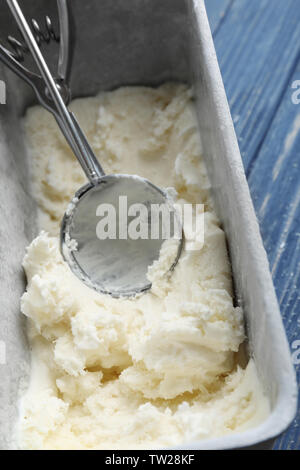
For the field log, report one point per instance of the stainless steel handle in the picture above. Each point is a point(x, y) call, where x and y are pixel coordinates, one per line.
point(65, 119)
point(65, 49)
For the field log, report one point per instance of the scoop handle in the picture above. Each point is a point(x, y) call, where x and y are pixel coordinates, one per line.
point(66, 120)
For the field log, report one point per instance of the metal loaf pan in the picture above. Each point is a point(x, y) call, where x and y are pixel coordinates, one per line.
point(143, 42)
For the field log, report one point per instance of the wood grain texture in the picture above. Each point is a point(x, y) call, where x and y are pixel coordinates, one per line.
point(216, 11)
point(258, 47)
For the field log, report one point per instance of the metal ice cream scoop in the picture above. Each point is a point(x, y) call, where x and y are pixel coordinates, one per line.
point(111, 254)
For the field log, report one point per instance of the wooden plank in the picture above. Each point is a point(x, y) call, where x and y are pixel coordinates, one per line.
point(258, 47)
point(274, 185)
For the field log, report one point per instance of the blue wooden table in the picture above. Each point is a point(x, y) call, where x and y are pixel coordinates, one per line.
point(258, 47)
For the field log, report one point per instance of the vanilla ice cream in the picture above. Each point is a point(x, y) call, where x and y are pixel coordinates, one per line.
point(157, 370)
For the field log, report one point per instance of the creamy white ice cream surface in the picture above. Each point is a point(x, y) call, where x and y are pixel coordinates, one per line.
point(158, 370)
